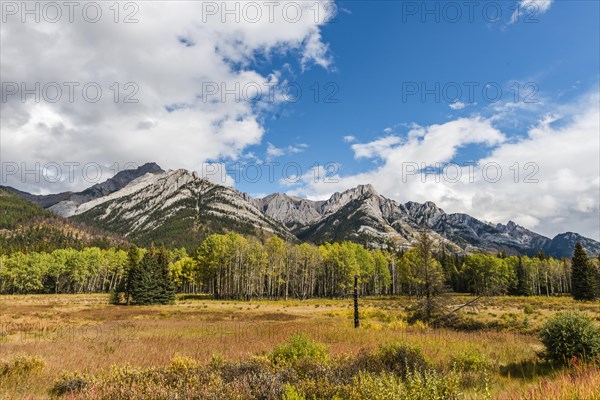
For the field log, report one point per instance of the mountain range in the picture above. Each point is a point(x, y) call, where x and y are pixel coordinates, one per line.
point(179, 208)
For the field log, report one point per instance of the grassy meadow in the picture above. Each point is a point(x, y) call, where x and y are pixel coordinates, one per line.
point(495, 354)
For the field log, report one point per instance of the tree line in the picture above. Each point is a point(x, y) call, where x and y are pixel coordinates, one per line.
point(232, 266)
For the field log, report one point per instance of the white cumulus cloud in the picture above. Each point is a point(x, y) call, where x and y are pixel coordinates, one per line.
point(170, 62)
point(547, 181)
point(530, 9)
point(457, 105)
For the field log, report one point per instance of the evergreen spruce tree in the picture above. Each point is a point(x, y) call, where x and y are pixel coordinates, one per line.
point(583, 275)
point(140, 280)
point(446, 263)
point(598, 278)
point(121, 294)
point(523, 284)
point(133, 261)
point(166, 288)
point(150, 281)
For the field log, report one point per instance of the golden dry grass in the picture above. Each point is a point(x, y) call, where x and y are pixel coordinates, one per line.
point(85, 333)
point(579, 383)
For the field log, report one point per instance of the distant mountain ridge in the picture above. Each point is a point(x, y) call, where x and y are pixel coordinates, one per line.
point(117, 182)
point(149, 205)
point(177, 208)
point(361, 213)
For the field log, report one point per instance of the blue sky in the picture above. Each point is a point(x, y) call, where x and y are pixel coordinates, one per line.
point(374, 53)
point(534, 159)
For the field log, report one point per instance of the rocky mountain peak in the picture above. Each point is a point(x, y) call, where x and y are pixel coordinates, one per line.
point(338, 200)
point(290, 210)
point(150, 167)
point(366, 189)
point(562, 245)
point(146, 201)
point(117, 182)
point(427, 213)
point(430, 205)
point(510, 227)
point(569, 236)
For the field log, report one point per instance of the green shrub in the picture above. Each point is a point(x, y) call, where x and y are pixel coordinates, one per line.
point(299, 369)
point(570, 335)
point(377, 387)
point(473, 369)
point(471, 361)
point(427, 386)
point(21, 364)
point(400, 359)
point(528, 309)
point(396, 358)
point(299, 347)
point(291, 393)
point(432, 386)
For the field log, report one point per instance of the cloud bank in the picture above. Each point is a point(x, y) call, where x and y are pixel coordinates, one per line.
point(548, 180)
point(157, 77)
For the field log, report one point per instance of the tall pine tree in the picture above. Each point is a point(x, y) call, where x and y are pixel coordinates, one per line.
point(598, 278)
point(122, 293)
point(133, 261)
point(166, 288)
point(523, 287)
point(583, 276)
point(150, 281)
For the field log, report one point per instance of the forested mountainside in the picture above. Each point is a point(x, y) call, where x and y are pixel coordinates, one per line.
point(25, 226)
